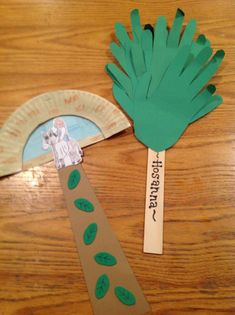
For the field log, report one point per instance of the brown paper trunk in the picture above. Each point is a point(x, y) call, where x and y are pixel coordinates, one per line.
point(119, 274)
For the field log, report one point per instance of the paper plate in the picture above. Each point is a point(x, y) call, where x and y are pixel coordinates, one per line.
point(17, 129)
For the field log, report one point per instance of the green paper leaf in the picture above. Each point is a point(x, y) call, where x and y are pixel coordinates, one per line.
point(90, 233)
point(125, 296)
point(102, 286)
point(106, 259)
point(74, 179)
point(84, 205)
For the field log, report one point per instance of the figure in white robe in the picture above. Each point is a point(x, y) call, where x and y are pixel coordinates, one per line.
point(66, 151)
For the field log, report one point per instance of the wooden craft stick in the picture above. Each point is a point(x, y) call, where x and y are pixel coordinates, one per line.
point(111, 284)
point(154, 204)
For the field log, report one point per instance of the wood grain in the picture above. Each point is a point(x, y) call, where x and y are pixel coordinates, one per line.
point(48, 45)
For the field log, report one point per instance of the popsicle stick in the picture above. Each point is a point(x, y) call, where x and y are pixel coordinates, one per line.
point(154, 204)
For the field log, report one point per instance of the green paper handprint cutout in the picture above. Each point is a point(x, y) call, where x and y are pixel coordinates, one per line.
point(160, 120)
point(163, 75)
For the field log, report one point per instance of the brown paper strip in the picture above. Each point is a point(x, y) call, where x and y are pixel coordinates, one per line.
point(119, 274)
point(154, 204)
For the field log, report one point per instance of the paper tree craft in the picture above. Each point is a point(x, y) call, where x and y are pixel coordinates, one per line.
point(161, 87)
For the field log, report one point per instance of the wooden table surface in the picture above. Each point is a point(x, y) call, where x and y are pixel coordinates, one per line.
point(47, 45)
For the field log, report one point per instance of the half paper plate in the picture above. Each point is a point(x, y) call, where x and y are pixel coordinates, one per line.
point(89, 117)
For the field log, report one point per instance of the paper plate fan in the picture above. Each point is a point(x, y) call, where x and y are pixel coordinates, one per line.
point(21, 124)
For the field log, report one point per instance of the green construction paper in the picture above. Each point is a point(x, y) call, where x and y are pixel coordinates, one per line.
point(149, 27)
point(165, 92)
point(138, 61)
point(102, 286)
point(205, 98)
point(174, 34)
point(123, 59)
point(125, 296)
point(200, 43)
point(84, 205)
point(166, 45)
point(136, 25)
point(74, 179)
point(90, 234)
point(124, 50)
point(208, 102)
point(147, 46)
point(105, 259)
point(120, 78)
point(160, 120)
